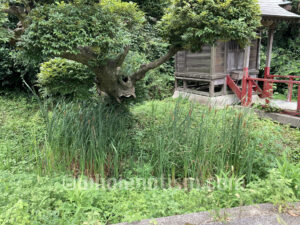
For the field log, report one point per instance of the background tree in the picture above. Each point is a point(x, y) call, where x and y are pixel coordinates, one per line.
point(286, 51)
point(101, 34)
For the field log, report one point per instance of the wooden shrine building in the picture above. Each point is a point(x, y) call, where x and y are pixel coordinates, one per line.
point(203, 74)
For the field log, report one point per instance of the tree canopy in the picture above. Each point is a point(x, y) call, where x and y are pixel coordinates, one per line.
point(99, 34)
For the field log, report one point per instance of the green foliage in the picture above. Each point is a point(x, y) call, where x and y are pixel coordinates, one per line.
point(285, 61)
point(292, 172)
point(152, 8)
point(192, 23)
point(105, 27)
point(30, 199)
point(21, 131)
point(27, 198)
point(12, 71)
point(5, 34)
point(6, 68)
point(286, 51)
point(96, 33)
point(92, 138)
point(182, 141)
point(275, 189)
point(64, 78)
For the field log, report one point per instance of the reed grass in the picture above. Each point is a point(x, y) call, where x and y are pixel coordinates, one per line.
point(198, 142)
point(161, 139)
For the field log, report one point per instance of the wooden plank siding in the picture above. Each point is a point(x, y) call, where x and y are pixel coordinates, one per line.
point(180, 61)
point(216, 62)
point(254, 55)
point(220, 57)
point(188, 62)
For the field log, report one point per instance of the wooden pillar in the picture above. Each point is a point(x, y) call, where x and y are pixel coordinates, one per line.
point(270, 47)
point(258, 51)
point(213, 60)
point(268, 88)
point(212, 70)
point(225, 87)
point(184, 84)
point(211, 89)
point(176, 84)
point(245, 75)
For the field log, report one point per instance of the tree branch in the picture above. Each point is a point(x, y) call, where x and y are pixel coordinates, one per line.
point(140, 74)
point(85, 56)
point(120, 59)
point(17, 11)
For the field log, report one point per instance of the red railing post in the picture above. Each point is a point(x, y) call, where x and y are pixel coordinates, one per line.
point(244, 86)
point(233, 87)
point(250, 91)
point(298, 105)
point(290, 90)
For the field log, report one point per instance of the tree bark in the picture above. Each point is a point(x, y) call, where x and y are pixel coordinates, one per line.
point(21, 13)
point(140, 74)
point(108, 77)
point(108, 80)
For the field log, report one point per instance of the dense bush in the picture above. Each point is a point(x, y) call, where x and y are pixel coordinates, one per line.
point(152, 8)
point(65, 78)
point(12, 71)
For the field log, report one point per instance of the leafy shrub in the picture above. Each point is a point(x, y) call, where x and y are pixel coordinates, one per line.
point(276, 188)
point(6, 67)
point(292, 172)
point(12, 70)
point(65, 78)
point(152, 8)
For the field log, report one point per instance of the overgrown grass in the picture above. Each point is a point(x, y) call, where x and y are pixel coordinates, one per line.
point(146, 141)
point(174, 139)
point(30, 199)
point(88, 138)
point(21, 128)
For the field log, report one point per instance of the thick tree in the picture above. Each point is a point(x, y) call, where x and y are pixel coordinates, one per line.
point(100, 34)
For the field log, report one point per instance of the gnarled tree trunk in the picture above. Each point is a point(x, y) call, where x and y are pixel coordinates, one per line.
point(108, 77)
point(109, 81)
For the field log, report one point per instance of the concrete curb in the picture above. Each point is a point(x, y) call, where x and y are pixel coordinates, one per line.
point(280, 118)
point(263, 214)
point(284, 119)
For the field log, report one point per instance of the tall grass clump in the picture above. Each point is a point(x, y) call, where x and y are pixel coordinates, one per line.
point(170, 139)
point(186, 140)
point(88, 138)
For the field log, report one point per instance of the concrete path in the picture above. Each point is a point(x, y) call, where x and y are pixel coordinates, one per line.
point(284, 104)
point(264, 214)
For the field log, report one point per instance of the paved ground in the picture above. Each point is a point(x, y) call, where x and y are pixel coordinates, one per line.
point(264, 214)
point(284, 104)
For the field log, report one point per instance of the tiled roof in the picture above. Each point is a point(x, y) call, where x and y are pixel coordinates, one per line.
point(272, 8)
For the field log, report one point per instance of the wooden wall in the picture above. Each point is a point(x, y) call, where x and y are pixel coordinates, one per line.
point(215, 62)
point(220, 57)
point(254, 55)
point(188, 62)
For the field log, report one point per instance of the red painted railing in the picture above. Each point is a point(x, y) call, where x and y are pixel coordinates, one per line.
point(249, 84)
